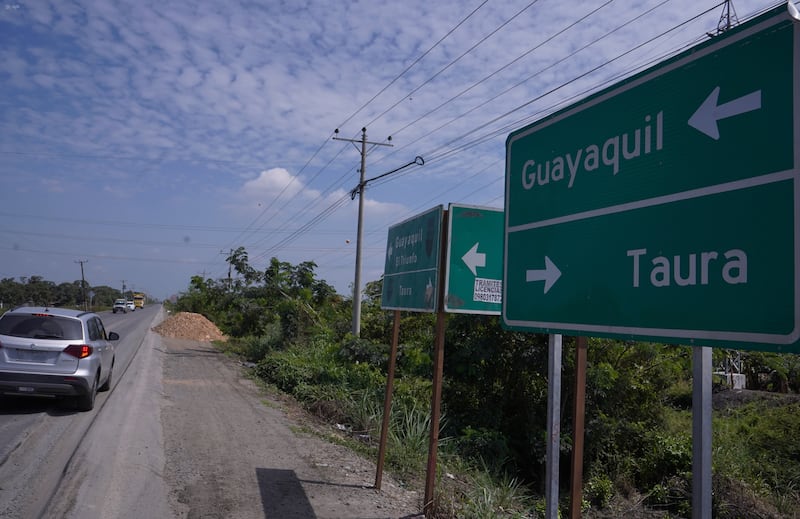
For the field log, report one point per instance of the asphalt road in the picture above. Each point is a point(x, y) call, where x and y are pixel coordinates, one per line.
point(43, 442)
point(182, 433)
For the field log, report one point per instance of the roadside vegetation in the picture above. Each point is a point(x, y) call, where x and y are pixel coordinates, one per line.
point(295, 330)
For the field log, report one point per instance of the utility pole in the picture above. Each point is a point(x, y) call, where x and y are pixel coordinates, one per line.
point(229, 259)
point(123, 288)
point(360, 192)
point(727, 19)
point(83, 284)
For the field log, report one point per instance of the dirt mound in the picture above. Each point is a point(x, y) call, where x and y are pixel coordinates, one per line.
point(191, 326)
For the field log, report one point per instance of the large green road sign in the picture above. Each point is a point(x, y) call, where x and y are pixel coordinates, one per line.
point(666, 207)
point(474, 277)
point(411, 271)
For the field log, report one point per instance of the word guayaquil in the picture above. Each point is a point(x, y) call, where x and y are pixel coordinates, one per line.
point(611, 154)
point(407, 240)
point(703, 268)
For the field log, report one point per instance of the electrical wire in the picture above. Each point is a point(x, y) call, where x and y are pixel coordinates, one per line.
point(419, 58)
point(453, 62)
point(493, 134)
point(476, 136)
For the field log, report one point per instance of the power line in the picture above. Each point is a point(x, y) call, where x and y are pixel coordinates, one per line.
point(528, 78)
point(119, 223)
point(444, 68)
point(408, 68)
point(508, 64)
point(462, 55)
point(450, 149)
point(453, 62)
point(107, 256)
point(537, 73)
point(277, 197)
point(333, 207)
point(283, 227)
point(505, 130)
point(451, 31)
point(115, 157)
point(556, 88)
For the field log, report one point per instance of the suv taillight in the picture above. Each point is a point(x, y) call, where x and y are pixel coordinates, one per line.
point(79, 351)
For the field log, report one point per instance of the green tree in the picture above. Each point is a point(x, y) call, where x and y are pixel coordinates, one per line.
point(104, 295)
point(39, 291)
point(239, 261)
point(12, 292)
point(67, 294)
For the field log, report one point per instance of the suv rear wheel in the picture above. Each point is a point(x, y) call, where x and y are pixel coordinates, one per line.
point(107, 384)
point(86, 402)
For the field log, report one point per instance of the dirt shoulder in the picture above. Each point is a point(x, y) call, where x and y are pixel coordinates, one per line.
point(232, 452)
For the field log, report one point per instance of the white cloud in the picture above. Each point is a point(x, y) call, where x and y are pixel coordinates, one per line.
point(273, 182)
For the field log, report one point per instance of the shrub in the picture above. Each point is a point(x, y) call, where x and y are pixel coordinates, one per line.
point(285, 369)
point(357, 350)
point(666, 456)
point(484, 446)
point(255, 348)
point(599, 490)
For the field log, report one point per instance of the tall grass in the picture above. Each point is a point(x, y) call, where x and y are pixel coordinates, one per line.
point(477, 492)
point(751, 455)
point(409, 437)
point(365, 412)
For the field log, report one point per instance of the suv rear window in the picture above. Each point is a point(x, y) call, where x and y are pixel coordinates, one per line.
point(41, 327)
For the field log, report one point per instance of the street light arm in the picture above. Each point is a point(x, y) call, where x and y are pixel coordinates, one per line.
point(419, 161)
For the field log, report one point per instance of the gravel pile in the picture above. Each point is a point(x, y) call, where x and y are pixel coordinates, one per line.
point(191, 326)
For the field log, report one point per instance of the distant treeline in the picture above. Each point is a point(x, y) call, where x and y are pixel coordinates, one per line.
point(38, 291)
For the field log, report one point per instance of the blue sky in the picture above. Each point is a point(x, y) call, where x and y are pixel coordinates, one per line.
point(148, 138)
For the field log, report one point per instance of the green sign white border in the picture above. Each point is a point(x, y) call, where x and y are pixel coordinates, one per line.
point(449, 260)
point(642, 332)
point(435, 270)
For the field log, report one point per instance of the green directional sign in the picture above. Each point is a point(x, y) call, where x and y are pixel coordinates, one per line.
point(666, 207)
point(474, 277)
point(411, 271)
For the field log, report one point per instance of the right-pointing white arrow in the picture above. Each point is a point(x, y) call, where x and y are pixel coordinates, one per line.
point(549, 274)
point(706, 117)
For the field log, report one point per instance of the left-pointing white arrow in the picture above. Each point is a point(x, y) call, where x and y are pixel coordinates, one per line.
point(474, 259)
point(549, 274)
point(706, 117)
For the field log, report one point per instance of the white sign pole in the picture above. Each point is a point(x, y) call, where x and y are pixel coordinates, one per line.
point(701, 432)
point(553, 425)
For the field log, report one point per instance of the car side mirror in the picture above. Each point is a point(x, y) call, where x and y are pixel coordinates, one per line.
point(113, 336)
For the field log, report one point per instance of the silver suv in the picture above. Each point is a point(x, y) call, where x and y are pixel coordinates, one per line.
point(55, 352)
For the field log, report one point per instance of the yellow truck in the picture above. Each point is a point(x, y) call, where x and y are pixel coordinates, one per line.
point(138, 300)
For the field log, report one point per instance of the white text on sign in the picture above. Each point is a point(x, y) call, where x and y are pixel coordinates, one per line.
point(708, 264)
point(614, 150)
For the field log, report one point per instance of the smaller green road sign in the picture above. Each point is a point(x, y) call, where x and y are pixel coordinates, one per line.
point(474, 278)
point(411, 271)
